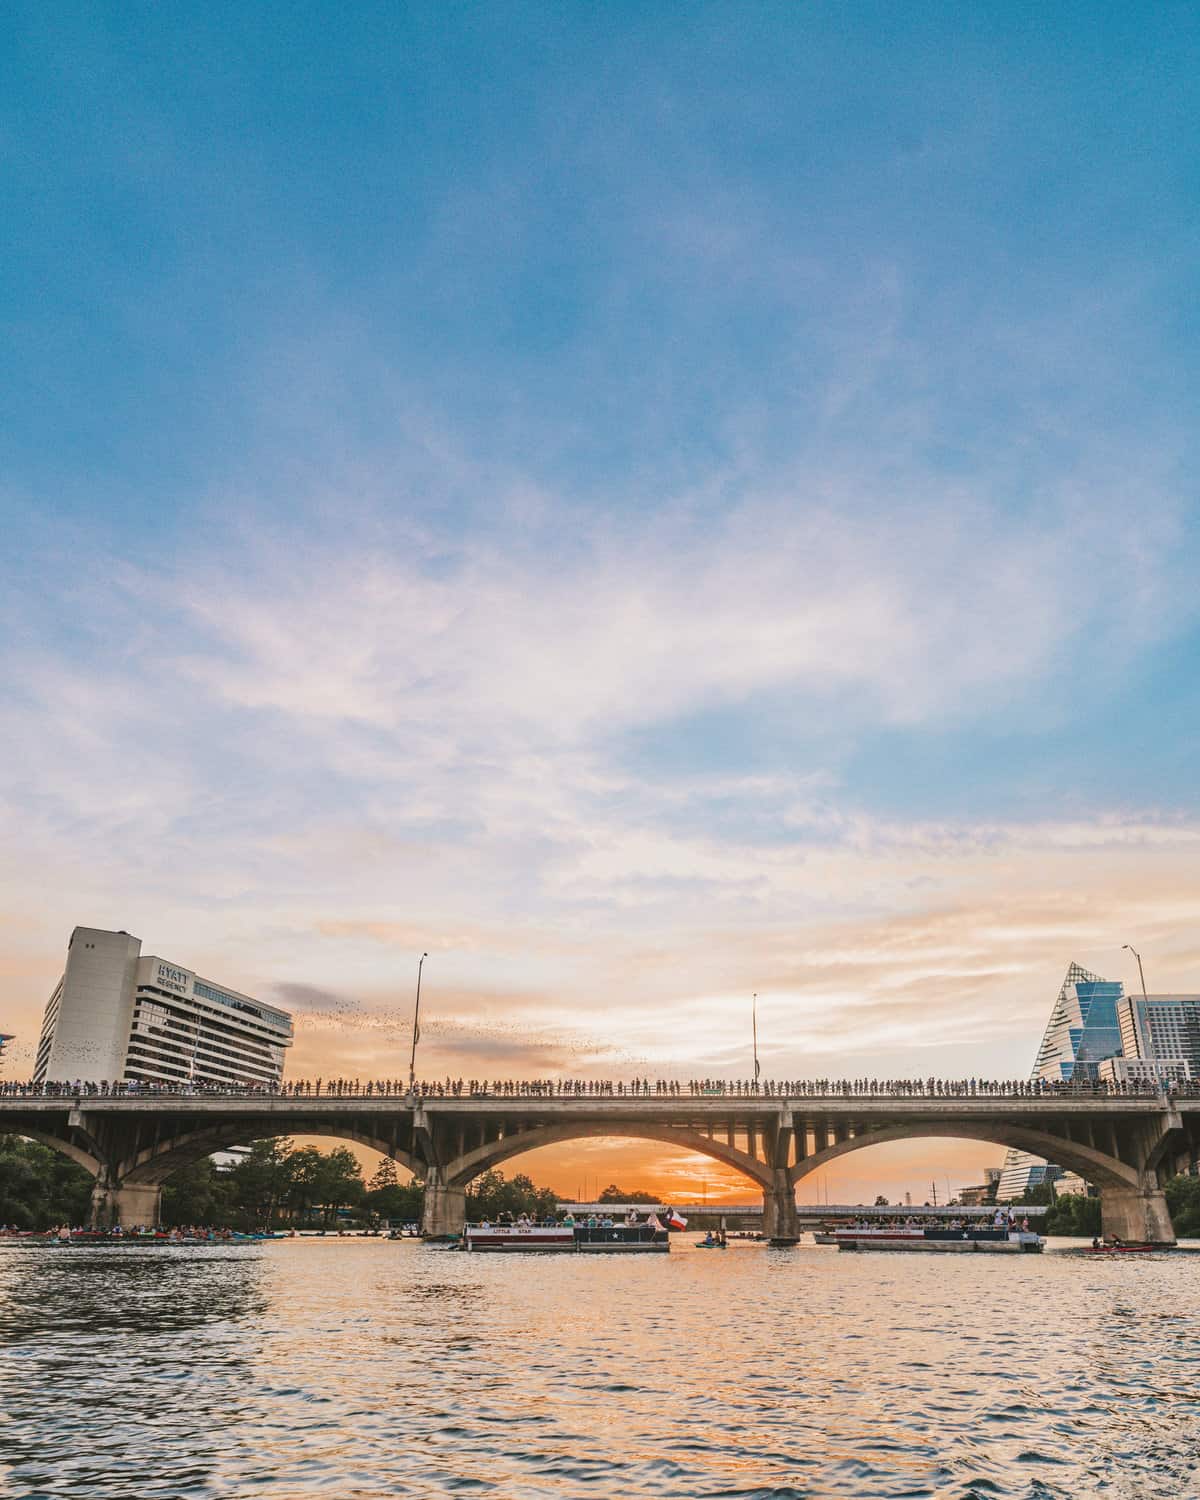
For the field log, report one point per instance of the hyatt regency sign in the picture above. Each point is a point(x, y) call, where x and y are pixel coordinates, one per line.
point(173, 979)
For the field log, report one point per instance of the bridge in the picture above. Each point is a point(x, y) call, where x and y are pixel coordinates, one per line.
point(809, 1213)
point(1126, 1146)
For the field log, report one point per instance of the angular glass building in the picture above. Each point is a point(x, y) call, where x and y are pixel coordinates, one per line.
point(1084, 1030)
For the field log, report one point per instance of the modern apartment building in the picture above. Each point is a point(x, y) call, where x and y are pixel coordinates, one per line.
point(119, 1016)
point(1163, 1029)
point(1140, 1071)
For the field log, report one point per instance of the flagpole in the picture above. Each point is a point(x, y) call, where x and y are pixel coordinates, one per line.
point(412, 1062)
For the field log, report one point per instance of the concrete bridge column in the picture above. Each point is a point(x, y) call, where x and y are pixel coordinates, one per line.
point(100, 1215)
point(445, 1208)
point(125, 1204)
point(137, 1203)
point(780, 1220)
point(1136, 1214)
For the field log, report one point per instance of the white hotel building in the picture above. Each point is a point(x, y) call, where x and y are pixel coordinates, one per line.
point(116, 1016)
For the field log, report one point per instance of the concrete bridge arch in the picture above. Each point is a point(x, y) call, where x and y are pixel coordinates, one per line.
point(70, 1149)
point(129, 1190)
point(459, 1173)
point(131, 1150)
point(1132, 1203)
point(151, 1168)
point(446, 1184)
point(1094, 1165)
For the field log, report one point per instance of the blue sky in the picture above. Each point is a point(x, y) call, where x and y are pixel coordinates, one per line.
point(649, 502)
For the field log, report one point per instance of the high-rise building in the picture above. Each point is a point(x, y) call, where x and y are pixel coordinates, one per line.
point(1083, 1030)
point(1096, 1031)
point(116, 1016)
point(1140, 1071)
point(1161, 1029)
point(984, 1192)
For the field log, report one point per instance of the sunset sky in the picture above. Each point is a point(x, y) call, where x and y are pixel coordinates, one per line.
point(647, 503)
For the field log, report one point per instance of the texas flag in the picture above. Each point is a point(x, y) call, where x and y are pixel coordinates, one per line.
point(674, 1220)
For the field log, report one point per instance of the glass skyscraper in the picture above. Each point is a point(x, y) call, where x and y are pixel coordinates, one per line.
point(1084, 1030)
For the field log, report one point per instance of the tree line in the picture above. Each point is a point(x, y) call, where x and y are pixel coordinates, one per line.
point(1075, 1214)
point(279, 1185)
point(275, 1184)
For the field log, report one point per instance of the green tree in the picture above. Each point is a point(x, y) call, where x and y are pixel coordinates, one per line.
point(386, 1197)
point(302, 1176)
point(199, 1194)
point(39, 1188)
point(491, 1195)
point(339, 1182)
point(613, 1194)
point(384, 1175)
point(401, 1201)
point(1073, 1214)
point(260, 1181)
point(278, 1180)
point(1183, 1200)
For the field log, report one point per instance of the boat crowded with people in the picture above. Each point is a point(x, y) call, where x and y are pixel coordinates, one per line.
point(1003, 1236)
point(595, 1233)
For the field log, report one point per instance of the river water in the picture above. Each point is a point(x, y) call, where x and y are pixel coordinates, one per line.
point(363, 1368)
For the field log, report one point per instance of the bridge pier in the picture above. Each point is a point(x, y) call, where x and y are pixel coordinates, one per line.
point(444, 1210)
point(126, 1205)
point(780, 1220)
point(1136, 1215)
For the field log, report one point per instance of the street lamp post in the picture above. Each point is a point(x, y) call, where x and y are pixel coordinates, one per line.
point(412, 1062)
point(754, 1026)
point(1141, 973)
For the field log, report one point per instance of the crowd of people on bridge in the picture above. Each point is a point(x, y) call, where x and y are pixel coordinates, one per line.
point(601, 1088)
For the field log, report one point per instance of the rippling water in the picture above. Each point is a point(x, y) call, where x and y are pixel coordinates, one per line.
point(362, 1368)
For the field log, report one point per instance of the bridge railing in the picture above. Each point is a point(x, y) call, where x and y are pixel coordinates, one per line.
point(599, 1090)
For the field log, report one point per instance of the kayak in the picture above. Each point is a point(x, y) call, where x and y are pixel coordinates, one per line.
point(1120, 1249)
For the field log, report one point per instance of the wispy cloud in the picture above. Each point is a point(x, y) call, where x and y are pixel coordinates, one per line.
point(330, 753)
